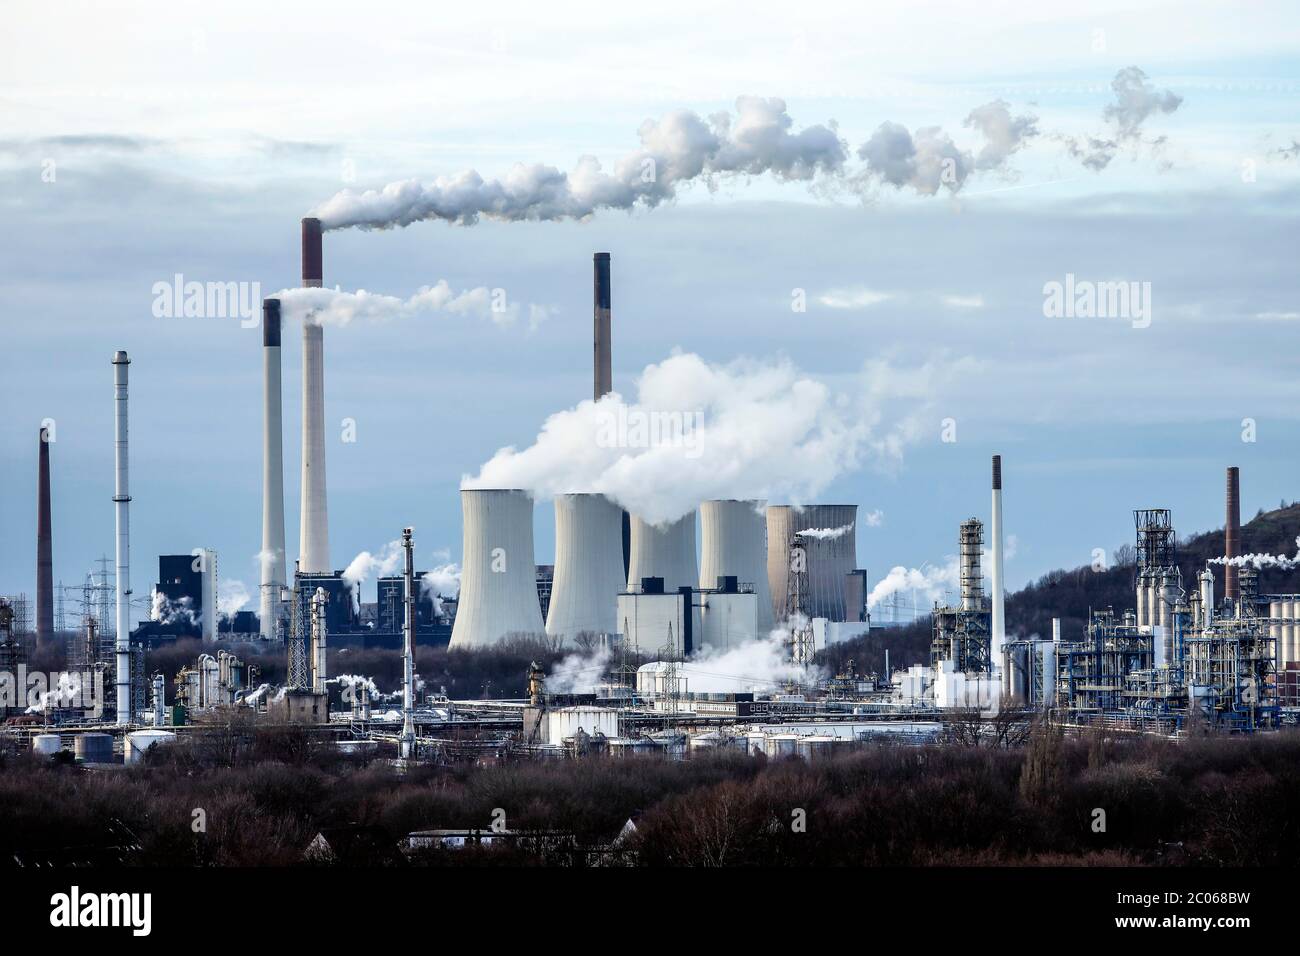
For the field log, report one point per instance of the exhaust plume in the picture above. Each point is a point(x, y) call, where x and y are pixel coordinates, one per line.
point(746, 429)
point(335, 307)
point(679, 148)
point(826, 534)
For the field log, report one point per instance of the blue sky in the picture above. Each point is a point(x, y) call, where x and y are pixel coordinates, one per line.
point(185, 143)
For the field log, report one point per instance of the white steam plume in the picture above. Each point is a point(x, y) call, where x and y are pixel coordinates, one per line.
point(336, 307)
point(354, 684)
point(442, 582)
point(366, 565)
point(171, 612)
point(826, 534)
point(695, 431)
point(1278, 561)
point(934, 583)
point(679, 148)
point(759, 665)
point(232, 596)
point(578, 673)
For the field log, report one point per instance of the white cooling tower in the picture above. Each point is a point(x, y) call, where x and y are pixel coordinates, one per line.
point(734, 536)
point(498, 583)
point(588, 566)
point(832, 554)
point(666, 552)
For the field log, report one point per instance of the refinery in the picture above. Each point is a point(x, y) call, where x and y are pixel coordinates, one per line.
point(652, 616)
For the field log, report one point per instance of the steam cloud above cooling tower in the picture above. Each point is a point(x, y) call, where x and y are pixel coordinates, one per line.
point(698, 431)
point(758, 139)
point(337, 308)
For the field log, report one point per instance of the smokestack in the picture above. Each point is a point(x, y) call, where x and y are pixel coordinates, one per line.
point(314, 539)
point(319, 621)
point(408, 652)
point(122, 507)
point(44, 547)
point(273, 556)
point(603, 348)
point(601, 311)
point(999, 633)
point(1232, 535)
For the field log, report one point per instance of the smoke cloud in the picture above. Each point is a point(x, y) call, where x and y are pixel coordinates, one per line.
point(1136, 101)
point(578, 673)
point(336, 307)
point(442, 582)
point(232, 597)
point(746, 429)
point(171, 612)
point(679, 148)
point(826, 534)
point(759, 665)
point(366, 565)
point(1279, 561)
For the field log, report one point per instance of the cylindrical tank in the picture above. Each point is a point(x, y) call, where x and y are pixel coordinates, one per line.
point(498, 585)
point(47, 744)
point(588, 566)
point(138, 743)
point(93, 748)
point(664, 551)
point(1277, 630)
point(831, 550)
point(1206, 578)
point(781, 745)
point(1289, 629)
point(734, 543)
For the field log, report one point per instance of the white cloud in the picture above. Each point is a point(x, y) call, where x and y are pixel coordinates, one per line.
point(858, 297)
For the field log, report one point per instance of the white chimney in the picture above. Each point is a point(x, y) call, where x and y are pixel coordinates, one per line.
point(666, 551)
point(273, 557)
point(314, 537)
point(498, 583)
point(588, 566)
point(999, 630)
point(122, 507)
point(319, 630)
point(734, 543)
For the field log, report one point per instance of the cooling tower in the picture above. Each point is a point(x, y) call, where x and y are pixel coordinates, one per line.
point(44, 544)
point(830, 557)
point(666, 552)
point(273, 557)
point(734, 536)
point(588, 566)
point(1232, 535)
point(314, 536)
point(498, 584)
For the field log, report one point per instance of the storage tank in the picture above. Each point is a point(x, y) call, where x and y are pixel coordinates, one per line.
point(664, 551)
point(498, 585)
point(47, 745)
point(831, 550)
point(138, 743)
point(588, 566)
point(734, 544)
point(93, 748)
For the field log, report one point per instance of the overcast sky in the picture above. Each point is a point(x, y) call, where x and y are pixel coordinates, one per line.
point(142, 141)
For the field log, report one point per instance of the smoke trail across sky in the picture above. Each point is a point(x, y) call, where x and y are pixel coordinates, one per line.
point(758, 139)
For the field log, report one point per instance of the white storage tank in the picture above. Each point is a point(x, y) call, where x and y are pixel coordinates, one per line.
point(139, 742)
point(782, 745)
point(47, 745)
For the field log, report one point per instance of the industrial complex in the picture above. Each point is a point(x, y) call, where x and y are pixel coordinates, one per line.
point(647, 610)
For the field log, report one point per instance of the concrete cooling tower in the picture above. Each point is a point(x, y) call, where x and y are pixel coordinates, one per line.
point(498, 584)
point(734, 535)
point(831, 552)
point(666, 552)
point(588, 566)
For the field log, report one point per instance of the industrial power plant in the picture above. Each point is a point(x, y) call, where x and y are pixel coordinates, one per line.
point(701, 631)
